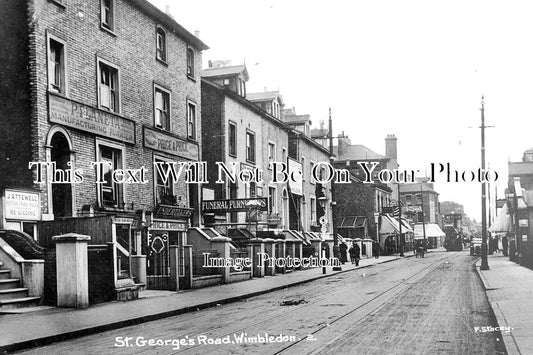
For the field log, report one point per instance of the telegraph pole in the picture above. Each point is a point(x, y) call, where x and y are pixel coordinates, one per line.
point(484, 261)
point(402, 240)
point(336, 253)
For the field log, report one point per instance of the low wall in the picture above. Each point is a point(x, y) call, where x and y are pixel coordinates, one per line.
point(206, 281)
point(240, 276)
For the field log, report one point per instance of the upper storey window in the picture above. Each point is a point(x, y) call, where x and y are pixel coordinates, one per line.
point(190, 62)
point(107, 17)
point(108, 87)
point(161, 45)
point(56, 66)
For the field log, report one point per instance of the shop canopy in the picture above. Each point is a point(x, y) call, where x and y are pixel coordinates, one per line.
point(502, 223)
point(390, 226)
point(432, 231)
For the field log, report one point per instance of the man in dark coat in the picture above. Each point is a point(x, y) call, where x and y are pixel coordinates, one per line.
point(355, 252)
point(375, 249)
point(343, 248)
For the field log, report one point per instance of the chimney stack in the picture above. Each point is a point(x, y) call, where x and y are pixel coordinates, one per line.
point(391, 151)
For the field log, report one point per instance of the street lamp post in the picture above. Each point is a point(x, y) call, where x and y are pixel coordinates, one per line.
point(484, 261)
point(333, 203)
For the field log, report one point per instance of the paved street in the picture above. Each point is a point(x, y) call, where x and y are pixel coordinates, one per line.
point(410, 306)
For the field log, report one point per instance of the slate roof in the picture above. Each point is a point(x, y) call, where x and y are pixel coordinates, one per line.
point(263, 96)
point(357, 152)
point(225, 71)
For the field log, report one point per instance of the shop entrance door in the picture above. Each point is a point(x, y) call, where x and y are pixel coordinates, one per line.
point(158, 259)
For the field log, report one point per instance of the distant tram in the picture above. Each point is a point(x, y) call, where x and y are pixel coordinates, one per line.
point(453, 241)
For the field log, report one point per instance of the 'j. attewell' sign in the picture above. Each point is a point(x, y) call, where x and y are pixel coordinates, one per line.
point(235, 205)
point(90, 119)
point(22, 205)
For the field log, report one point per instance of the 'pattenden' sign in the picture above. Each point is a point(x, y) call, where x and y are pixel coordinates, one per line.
point(89, 119)
point(235, 205)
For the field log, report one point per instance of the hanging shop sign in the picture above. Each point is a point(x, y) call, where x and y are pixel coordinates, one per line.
point(169, 226)
point(235, 205)
point(172, 212)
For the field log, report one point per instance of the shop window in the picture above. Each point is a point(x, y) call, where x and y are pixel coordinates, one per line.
point(161, 108)
point(111, 194)
point(123, 250)
point(108, 86)
point(164, 190)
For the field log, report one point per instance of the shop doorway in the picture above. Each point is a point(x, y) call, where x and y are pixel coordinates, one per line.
point(157, 253)
point(61, 193)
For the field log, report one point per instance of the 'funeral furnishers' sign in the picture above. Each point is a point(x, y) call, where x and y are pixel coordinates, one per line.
point(22, 205)
point(90, 119)
point(235, 205)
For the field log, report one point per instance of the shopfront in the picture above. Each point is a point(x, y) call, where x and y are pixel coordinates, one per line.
point(167, 230)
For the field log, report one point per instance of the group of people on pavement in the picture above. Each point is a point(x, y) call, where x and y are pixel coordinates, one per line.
point(355, 252)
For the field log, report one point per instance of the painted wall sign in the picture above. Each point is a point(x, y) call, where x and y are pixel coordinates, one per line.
point(90, 119)
point(22, 205)
point(235, 205)
point(166, 143)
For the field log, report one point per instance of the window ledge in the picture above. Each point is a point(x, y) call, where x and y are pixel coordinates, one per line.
point(59, 3)
point(161, 61)
point(190, 77)
point(108, 30)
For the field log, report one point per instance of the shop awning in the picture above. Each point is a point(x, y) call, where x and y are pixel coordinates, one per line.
point(432, 231)
point(502, 222)
point(390, 225)
point(351, 222)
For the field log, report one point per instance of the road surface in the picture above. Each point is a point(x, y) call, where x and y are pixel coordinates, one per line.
point(434, 305)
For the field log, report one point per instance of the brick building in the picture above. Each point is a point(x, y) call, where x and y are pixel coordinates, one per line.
point(114, 82)
point(238, 131)
point(305, 209)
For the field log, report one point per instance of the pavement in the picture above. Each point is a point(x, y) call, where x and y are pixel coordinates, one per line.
point(509, 288)
point(20, 331)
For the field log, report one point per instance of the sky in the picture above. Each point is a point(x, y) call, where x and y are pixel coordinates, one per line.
point(415, 69)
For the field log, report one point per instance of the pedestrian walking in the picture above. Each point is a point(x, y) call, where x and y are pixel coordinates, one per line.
point(343, 248)
point(375, 249)
point(355, 252)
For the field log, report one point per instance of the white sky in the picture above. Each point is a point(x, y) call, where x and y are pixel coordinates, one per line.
point(416, 69)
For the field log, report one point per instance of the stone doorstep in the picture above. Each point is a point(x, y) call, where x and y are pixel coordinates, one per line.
point(129, 292)
point(19, 302)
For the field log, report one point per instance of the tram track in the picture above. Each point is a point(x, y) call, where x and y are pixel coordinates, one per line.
point(325, 295)
point(404, 285)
